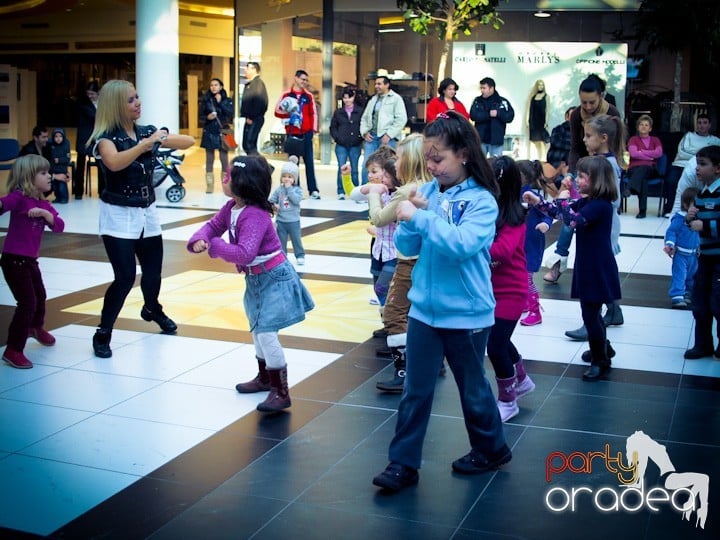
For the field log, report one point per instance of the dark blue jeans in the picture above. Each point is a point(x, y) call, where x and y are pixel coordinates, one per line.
point(122, 253)
point(24, 280)
point(343, 153)
point(309, 160)
point(464, 350)
point(706, 300)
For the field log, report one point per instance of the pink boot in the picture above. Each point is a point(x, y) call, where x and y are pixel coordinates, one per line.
point(533, 316)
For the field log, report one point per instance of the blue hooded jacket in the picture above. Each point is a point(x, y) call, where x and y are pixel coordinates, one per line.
point(451, 285)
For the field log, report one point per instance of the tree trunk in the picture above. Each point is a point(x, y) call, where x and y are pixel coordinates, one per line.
point(443, 61)
point(675, 113)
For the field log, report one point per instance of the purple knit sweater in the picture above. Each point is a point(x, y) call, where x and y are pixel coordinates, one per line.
point(254, 235)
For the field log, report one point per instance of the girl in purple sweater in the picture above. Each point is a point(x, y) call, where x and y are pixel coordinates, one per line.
point(275, 297)
point(30, 213)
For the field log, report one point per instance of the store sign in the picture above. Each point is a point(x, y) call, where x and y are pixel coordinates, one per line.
point(515, 66)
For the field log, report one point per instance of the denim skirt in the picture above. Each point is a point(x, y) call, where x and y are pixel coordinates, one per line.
point(275, 299)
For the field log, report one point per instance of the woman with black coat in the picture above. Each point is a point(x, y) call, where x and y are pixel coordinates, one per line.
point(217, 110)
point(345, 131)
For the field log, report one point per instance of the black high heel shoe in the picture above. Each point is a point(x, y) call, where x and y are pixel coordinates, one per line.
point(167, 325)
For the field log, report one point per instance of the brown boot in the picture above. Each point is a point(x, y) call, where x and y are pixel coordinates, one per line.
point(279, 397)
point(261, 382)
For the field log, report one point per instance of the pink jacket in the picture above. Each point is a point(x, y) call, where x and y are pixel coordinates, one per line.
point(25, 233)
point(644, 151)
point(509, 273)
point(254, 235)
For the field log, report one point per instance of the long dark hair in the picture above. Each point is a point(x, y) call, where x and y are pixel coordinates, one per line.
point(510, 210)
point(251, 180)
point(459, 134)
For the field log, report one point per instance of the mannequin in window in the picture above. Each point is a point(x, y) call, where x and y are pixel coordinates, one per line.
point(537, 120)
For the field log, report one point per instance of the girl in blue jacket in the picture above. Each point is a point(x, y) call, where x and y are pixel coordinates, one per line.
point(449, 223)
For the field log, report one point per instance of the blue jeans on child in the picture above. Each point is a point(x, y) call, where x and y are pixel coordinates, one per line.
point(343, 153)
point(464, 350)
point(684, 266)
point(292, 229)
point(564, 240)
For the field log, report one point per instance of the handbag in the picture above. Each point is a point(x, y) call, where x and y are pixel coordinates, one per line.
point(227, 139)
point(294, 145)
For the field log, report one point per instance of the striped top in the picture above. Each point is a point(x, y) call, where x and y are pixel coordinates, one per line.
point(708, 205)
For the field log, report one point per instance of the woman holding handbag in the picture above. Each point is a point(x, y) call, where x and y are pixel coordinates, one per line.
point(217, 110)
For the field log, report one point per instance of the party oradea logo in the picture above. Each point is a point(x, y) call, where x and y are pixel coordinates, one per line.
point(684, 492)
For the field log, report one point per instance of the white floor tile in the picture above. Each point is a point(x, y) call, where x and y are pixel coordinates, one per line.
point(22, 424)
point(102, 442)
point(11, 377)
point(81, 390)
point(39, 496)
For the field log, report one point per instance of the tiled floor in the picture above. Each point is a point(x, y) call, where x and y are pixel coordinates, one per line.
point(156, 443)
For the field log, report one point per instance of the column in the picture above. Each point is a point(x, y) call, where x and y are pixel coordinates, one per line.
point(157, 62)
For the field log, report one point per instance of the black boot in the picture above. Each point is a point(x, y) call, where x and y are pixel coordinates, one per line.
point(101, 342)
point(167, 325)
point(614, 315)
point(587, 355)
point(600, 362)
point(579, 334)
point(396, 384)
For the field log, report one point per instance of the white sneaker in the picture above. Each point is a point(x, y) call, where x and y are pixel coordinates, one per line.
point(507, 410)
point(341, 197)
point(315, 195)
point(374, 302)
point(525, 387)
point(300, 261)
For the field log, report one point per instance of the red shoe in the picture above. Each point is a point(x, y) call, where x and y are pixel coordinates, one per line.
point(16, 359)
point(42, 336)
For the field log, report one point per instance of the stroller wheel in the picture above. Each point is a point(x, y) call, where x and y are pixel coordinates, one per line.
point(175, 193)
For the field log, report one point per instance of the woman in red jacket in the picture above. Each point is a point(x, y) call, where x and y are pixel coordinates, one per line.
point(445, 101)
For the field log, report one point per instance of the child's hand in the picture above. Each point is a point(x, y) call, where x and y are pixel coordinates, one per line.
point(564, 194)
point(696, 225)
point(566, 182)
point(345, 169)
point(405, 210)
point(530, 198)
point(417, 200)
point(199, 246)
point(542, 227)
point(371, 230)
point(39, 213)
point(287, 182)
point(670, 250)
point(691, 213)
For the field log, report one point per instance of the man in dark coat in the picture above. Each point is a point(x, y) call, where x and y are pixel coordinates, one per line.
point(39, 143)
point(491, 113)
point(253, 107)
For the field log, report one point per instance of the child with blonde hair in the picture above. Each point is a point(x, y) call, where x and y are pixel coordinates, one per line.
point(411, 173)
point(30, 213)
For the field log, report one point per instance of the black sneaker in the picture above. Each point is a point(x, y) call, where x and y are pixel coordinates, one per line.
point(698, 352)
point(394, 385)
point(166, 324)
point(384, 353)
point(476, 462)
point(396, 477)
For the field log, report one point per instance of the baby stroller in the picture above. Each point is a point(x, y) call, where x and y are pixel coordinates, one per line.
point(166, 164)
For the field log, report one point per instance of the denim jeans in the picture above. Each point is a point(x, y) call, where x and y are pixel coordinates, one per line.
point(564, 240)
point(343, 153)
point(492, 150)
point(369, 148)
point(292, 229)
point(684, 266)
point(464, 350)
point(309, 160)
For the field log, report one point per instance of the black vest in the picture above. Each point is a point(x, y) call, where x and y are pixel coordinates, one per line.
point(132, 186)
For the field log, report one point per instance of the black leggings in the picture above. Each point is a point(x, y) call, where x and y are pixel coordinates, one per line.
point(592, 317)
point(122, 253)
point(500, 349)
